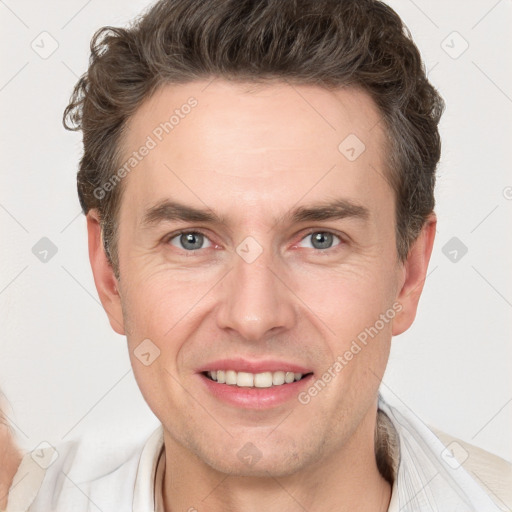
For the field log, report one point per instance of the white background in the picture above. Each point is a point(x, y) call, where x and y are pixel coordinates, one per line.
point(66, 373)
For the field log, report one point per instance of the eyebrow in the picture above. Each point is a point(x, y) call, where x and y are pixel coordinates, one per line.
point(168, 211)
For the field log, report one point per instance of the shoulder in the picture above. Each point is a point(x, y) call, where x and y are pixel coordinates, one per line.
point(79, 475)
point(491, 472)
point(434, 469)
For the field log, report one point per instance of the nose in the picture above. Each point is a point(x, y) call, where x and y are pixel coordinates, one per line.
point(256, 301)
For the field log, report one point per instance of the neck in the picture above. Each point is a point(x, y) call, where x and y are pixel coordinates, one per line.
point(348, 479)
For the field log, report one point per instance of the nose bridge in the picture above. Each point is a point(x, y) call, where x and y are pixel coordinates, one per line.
point(255, 300)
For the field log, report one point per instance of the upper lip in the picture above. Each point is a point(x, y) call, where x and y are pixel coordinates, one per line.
point(253, 366)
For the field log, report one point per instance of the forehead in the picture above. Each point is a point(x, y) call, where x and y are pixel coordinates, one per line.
point(261, 147)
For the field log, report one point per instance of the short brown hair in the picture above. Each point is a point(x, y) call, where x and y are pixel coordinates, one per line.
point(328, 43)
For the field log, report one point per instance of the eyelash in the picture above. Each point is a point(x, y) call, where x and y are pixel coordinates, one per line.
point(342, 240)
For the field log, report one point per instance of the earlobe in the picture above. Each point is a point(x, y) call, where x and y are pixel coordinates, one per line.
point(415, 272)
point(104, 278)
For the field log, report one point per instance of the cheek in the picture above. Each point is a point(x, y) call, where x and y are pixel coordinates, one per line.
point(157, 310)
point(348, 298)
point(158, 301)
point(350, 302)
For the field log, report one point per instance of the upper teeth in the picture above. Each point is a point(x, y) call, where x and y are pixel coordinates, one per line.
point(257, 380)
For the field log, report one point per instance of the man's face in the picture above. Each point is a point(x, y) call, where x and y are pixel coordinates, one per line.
point(259, 287)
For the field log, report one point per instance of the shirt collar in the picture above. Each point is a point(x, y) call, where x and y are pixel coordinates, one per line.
point(409, 456)
point(424, 480)
point(145, 488)
point(150, 473)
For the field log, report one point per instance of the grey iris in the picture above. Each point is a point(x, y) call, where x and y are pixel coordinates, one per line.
point(321, 240)
point(191, 240)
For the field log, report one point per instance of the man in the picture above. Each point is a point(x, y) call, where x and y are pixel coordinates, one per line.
point(258, 182)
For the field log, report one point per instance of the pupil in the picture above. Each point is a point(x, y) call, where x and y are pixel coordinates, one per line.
point(322, 240)
point(192, 240)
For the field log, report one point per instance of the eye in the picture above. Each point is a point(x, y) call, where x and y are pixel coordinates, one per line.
point(189, 240)
point(320, 240)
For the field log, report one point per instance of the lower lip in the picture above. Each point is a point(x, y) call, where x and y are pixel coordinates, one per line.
point(255, 398)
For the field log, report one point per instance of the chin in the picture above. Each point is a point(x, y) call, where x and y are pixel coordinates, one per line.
point(248, 460)
point(276, 468)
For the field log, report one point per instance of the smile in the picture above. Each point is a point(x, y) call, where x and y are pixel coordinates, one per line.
point(253, 380)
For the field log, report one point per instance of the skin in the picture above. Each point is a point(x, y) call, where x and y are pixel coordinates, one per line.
point(252, 155)
point(10, 458)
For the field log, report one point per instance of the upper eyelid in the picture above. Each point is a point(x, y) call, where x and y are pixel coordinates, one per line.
point(308, 232)
point(343, 239)
point(168, 238)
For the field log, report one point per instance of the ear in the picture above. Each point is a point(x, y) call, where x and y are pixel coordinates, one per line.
point(104, 278)
point(414, 274)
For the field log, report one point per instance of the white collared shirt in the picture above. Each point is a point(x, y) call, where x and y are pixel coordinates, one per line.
point(427, 476)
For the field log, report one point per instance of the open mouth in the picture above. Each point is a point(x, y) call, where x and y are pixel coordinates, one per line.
point(254, 380)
